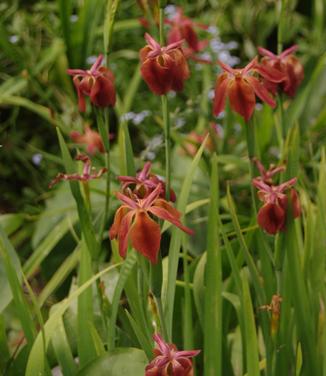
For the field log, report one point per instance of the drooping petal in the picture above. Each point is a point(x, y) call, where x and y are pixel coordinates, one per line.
point(119, 215)
point(167, 216)
point(220, 93)
point(145, 236)
point(157, 76)
point(242, 97)
point(261, 91)
point(271, 217)
point(81, 98)
point(103, 92)
point(180, 70)
point(124, 233)
point(190, 36)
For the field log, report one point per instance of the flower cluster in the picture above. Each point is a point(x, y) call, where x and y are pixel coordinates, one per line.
point(169, 361)
point(279, 200)
point(257, 79)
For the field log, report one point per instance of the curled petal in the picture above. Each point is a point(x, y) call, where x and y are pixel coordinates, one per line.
point(145, 236)
point(242, 97)
point(264, 52)
point(261, 91)
point(167, 216)
point(289, 51)
point(152, 42)
point(220, 93)
point(271, 217)
point(226, 67)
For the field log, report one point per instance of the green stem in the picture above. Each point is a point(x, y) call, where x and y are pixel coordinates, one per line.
point(166, 122)
point(103, 128)
point(251, 147)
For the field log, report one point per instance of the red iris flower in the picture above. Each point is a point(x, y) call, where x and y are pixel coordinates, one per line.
point(183, 28)
point(87, 174)
point(272, 215)
point(169, 361)
point(266, 175)
point(133, 222)
point(286, 63)
point(163, 68)
point(241, 87)
point(91, 138)
point(144, 183)
point(97, 83)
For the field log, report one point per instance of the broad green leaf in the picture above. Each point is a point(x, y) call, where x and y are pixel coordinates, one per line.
point(119, 362)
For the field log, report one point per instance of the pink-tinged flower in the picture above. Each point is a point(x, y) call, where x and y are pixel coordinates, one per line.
point(286, 63)
point(144, 183)
point(133, 222)
point(97, 83)
point(267, 175)
point(272, 215)
point(169, 361)
point(163, 68)
point(183, 28)
point(241, 87)
point(87, 174)
point(90, 138)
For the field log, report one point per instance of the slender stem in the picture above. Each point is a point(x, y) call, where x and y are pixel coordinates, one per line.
point(166, 122)
point(103, 127)
point(251, 147)
point(159, 305)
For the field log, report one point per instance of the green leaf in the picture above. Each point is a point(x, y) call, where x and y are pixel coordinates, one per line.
point(9, 261)
point(36, 359)
point(125, 271)
point(111, 9)
point(252, 352)
point(174, 250)
point(213, 277)
point(119, 362)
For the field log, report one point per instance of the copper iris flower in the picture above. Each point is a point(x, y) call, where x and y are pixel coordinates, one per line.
point(133, 222)
point(169, 361)
point(163, 68)
point(97, 83)
point(286, 63)
point(144, 183)
point(87, 174)
point(183, 28)
point(241, 87)
point(272, 215)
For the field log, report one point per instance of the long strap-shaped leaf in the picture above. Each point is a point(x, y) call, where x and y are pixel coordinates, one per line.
point(213, 292)
point(174, 250)
point(35, 363)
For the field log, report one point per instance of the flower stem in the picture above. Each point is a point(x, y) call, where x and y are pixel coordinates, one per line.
point(103, 128)
point(251, 147)
point(166, 122)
